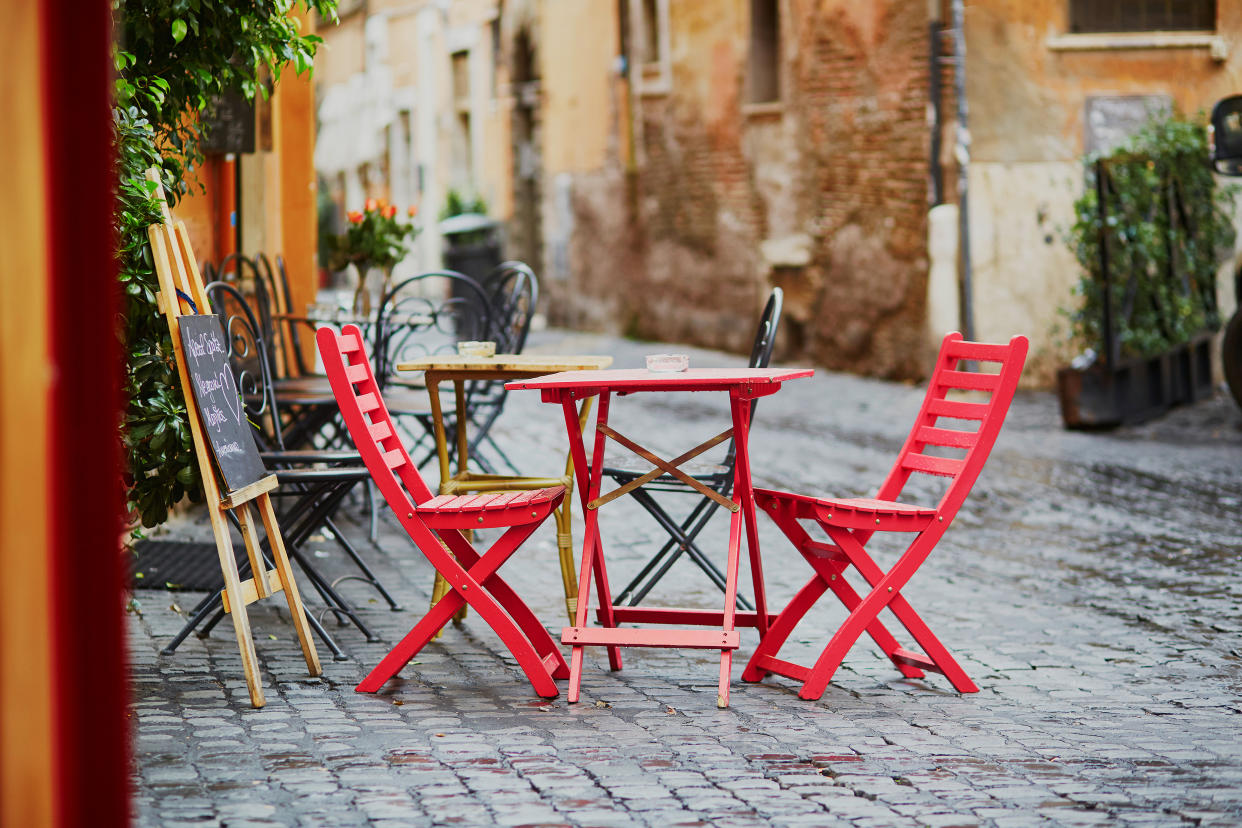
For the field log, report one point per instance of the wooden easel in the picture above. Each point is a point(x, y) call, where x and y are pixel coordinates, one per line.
point(179, 279)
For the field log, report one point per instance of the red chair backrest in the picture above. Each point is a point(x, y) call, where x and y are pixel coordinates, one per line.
point(353, 384)
point(951, 375)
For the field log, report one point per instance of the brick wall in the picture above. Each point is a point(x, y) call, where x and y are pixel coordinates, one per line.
point(669, 246)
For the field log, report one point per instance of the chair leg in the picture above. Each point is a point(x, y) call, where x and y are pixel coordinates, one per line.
point(410, 644)
point(367, 576)
point(780, 629)
point(486, 605)
point(938, 657)
point(504, 594)
point(565, 551)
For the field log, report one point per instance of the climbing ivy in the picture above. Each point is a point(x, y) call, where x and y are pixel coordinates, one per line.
point(1167, 227)
point(172, 58)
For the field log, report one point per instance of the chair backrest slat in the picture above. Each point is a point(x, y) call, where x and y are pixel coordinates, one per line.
point(967, 380)
point(395, 459)
point(380, 430)
point(941, 466)
point(957, 409)
point(949, 437)
point(954, 372)
point(979, 351)
point(355, 373)
point(368, 402)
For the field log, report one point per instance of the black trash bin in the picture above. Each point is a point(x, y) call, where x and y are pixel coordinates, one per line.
point(472, 247)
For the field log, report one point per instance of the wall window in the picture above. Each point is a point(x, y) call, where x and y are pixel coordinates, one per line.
point(1089, 16)
point(765, 52)
point(461, 166)
point(652, 33)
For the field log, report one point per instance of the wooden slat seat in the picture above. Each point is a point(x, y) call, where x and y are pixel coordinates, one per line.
point(491, 509)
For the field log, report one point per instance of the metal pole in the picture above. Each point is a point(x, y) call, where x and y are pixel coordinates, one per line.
point(935, 94)
point(962, 152)
point(1109, 344)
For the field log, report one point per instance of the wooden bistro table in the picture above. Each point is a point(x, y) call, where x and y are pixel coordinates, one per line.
point(742, 385)
point(462, 369)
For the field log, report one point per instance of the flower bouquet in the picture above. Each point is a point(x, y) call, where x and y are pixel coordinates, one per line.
point(376, 239)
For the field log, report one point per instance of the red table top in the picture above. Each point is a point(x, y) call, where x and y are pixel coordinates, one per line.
point(626, 380)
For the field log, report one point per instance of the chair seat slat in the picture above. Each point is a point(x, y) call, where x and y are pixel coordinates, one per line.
point(967, 380)
point(942, 466)
point(949, 437)
point(957, 409)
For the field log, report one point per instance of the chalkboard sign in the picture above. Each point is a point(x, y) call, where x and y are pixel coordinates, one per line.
point(229, 124)
point(219, 404)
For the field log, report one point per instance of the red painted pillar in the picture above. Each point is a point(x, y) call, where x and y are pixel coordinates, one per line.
point(89, 668)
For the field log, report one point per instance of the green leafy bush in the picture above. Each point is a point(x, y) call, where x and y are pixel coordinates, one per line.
point(172, 58)
point(1167, 228)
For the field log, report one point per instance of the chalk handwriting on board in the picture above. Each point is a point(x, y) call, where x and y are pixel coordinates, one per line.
point(219, 402)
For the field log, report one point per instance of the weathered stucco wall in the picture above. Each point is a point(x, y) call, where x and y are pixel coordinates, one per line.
point(824, 192)
point(1028, 86)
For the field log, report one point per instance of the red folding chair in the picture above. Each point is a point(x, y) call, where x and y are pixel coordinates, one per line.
point(431, 520)
point(850, 522)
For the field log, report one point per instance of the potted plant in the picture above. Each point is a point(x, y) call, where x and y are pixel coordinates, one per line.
point(375, 239)
point(1150, 230)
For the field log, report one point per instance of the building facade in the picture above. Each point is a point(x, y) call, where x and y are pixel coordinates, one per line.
point(663, 163)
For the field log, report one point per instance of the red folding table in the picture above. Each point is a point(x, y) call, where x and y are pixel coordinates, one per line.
point(742, 386)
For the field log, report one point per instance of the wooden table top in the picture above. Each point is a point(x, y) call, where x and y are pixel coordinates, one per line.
point(506, 363)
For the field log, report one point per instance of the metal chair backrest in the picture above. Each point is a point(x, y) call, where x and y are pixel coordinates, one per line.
point(513, 291)
point(248, 361)
point(956, 373)
point(425, 315)
point(761, 352)
point(357, 393)
point(254, 279)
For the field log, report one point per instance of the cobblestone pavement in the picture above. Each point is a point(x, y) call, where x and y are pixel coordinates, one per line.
point(1092, 587)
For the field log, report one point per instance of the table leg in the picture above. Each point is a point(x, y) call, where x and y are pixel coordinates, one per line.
point(564, 523)
point(744, 492)
point(730, 605)
point(588, 478)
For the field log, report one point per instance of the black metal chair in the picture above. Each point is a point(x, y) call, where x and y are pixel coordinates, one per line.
point(421, 316)
point(683, 534)
point(315, 483)
point(513, 291)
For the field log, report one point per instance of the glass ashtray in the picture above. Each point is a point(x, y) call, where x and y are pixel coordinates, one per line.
point(667, 363)
point(476, 349)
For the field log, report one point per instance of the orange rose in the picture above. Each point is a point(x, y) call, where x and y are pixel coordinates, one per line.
point(370, 205)
point(412, 212)
point(390, 211)
point(383, 202)
point(354, 217)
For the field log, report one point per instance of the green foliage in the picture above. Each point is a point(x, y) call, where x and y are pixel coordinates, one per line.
point(173, 57)
point(457, 204)
point(376, 237)
point(1167, 228)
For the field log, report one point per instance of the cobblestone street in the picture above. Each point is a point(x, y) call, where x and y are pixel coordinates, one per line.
point(1091, 586)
